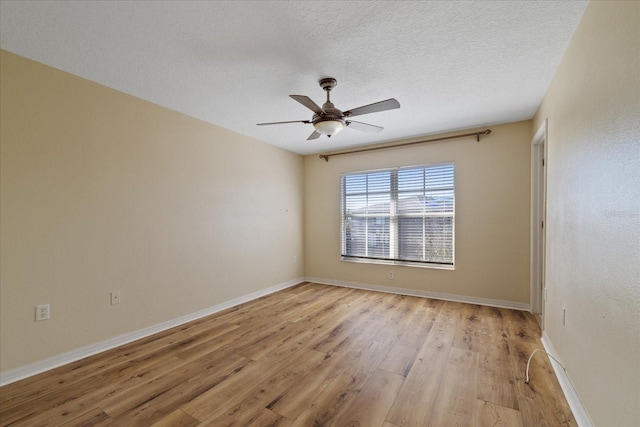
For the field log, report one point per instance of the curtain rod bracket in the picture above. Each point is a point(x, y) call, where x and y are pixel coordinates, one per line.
point(484, 132)
point(444, 138)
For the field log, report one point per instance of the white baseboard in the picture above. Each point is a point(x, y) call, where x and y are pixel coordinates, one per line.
point(426, 294)
point(573, 399)
point(35, 368)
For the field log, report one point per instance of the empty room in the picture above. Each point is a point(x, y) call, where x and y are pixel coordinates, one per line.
point(320, 213)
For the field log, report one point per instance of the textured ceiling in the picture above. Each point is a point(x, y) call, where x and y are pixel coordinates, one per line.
point(451, 65)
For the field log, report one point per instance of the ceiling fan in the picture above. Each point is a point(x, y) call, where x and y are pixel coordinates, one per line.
point(328, 120)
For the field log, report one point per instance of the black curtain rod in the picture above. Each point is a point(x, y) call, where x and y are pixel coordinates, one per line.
point(444, 138)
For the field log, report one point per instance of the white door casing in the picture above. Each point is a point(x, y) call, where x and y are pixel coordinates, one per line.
point(539, 164)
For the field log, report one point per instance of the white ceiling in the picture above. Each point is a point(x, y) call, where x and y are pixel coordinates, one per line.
point(451, 65)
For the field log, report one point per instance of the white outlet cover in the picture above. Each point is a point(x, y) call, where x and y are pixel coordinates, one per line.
point(42, 312)
point(115, 297)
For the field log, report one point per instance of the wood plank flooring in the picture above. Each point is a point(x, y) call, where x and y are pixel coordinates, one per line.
point(311, 355)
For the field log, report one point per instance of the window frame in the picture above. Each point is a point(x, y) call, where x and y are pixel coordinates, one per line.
point(393, 216)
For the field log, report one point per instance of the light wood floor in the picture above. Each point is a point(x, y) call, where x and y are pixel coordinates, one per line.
point(312, 355)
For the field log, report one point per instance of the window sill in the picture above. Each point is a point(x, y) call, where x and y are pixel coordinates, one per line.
point(403, 263)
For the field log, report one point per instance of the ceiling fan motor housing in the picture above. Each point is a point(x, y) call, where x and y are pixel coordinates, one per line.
point(330, 112)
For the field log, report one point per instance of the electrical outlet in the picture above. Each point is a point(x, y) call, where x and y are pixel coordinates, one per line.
point(42, 312)
point(295, 259)
point(115, 297)
point(391, 275)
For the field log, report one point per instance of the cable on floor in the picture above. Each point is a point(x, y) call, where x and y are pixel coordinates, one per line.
point(526, 381)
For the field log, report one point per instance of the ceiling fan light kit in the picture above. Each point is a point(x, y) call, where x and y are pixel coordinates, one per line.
point(329, 120)
point(329, 127)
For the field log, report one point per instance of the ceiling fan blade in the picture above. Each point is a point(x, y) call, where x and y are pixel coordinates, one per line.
point(314, 135)
point(279, 123)
point(388, 104)
point(365, 127)
point(307, 102)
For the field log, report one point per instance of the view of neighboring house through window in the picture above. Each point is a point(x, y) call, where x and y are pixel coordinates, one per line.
point(401, 215)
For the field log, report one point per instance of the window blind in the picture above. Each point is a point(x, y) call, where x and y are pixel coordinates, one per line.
point(402, 214)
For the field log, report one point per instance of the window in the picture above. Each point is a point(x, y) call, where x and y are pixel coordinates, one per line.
point(402, 215)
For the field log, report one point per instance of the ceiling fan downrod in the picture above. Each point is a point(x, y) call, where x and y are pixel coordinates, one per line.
point(327, 84)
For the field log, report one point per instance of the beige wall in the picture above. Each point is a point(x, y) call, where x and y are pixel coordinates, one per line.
point(593, 217)
point(492, 216)
point(102, 191)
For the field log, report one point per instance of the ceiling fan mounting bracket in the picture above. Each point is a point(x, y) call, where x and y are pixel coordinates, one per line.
point(328, 83)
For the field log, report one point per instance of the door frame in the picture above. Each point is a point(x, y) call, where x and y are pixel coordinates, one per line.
point(539, 165)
